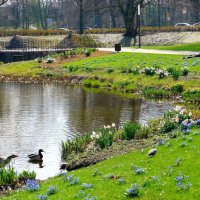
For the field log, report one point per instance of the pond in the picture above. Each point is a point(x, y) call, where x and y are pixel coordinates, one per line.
point(36, 117)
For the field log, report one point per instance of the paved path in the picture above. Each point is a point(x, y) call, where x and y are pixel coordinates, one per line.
point(153, 51)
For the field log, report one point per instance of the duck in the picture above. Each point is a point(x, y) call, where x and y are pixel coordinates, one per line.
point(63, 166)
point(5, 161)
point(152, 152)
point(36, 157)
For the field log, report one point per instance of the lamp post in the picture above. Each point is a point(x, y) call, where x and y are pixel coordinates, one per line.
point(139, 12)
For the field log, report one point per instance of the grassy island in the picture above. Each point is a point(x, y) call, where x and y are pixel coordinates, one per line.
point(151, 74)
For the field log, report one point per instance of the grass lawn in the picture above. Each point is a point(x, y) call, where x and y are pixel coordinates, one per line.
point(115, 70)
point(176, 158)
point(180, 47)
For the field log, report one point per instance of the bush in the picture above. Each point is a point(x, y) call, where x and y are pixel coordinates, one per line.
point(143, 133)
point(109, 70)
point(87, 53)
point(129, 130)
point(185, 71)
point(170, 69)
point(176, 74)
point(178, 88)
point(168, 127)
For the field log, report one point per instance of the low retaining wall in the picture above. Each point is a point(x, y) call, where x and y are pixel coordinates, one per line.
point(15, 56)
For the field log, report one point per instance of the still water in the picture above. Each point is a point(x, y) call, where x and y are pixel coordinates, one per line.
point(36, 117)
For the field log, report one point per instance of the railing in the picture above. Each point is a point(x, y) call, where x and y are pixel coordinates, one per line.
point(34, 46)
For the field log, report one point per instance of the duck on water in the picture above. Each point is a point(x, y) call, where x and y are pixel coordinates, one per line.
point(5, 161)
point(36, 157)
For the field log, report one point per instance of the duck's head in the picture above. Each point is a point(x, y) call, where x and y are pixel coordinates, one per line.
point(40, 151)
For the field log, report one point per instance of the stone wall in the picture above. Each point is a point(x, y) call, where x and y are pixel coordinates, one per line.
point(164, 38)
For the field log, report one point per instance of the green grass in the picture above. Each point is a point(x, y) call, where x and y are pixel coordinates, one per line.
point(116, 71)
point(180, 47)
point(170, 160)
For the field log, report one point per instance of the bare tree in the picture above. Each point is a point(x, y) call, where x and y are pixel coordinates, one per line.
point(128, 10)
point(3, 2)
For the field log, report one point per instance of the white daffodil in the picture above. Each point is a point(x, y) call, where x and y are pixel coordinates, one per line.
point(190, 114)
point(113, 125)
point(177, 108)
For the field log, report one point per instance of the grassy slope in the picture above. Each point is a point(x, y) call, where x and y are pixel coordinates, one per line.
point(181, 47)
point(106, 189)
point(100, 66)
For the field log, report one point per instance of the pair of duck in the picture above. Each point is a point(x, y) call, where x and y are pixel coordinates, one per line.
point(32, 158)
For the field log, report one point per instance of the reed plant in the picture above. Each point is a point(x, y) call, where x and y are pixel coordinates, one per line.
point(8, 176)
point(192, 96)
point(155, 92)
point(130, 129)
point(25, 175)
point(104, 138)
point(75, 146)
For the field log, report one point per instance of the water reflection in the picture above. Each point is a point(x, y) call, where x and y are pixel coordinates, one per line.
point(36, 117)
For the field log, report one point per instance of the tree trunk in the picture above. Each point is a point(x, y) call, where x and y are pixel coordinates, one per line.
point(130, 25)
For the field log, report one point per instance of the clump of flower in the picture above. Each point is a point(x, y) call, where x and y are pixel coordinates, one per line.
point(169, 171)
point(39, 59)
point(183, 137)
point(151, 180)
point(49, 60)
point(138, 170)
point(97, 173)
point(52, 190)
point(149, 71)
point(95, 135)
point(104, 136)
point(31, 185)
point(111, 176)
point(183, 144)
point(133, 191)
point(161, 142)
point(181, 182)
point(80, 194)
point(72, 180)
point(186, 131)
point(162, 73)
point(178, 161)
point(177, 118)
point(121, 181)
point(168, 144)
point(89, 197)
point(197, 121)
point(185, 71)
point(196, 133)
point(87, 186)
point(42, 197)
point(190, 139)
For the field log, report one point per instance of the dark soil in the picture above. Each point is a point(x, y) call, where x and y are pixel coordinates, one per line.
point(94, 155)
